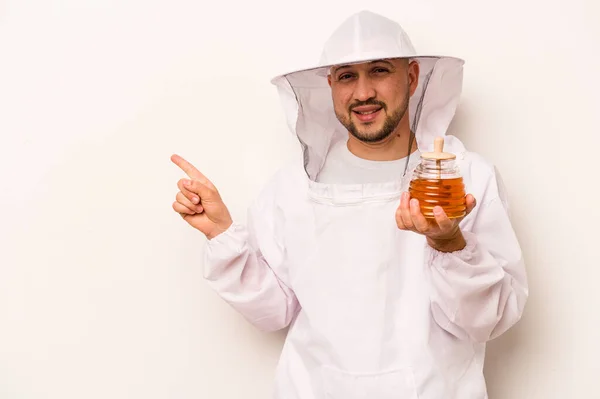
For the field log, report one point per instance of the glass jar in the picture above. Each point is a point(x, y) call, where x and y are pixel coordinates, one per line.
point(437, 181)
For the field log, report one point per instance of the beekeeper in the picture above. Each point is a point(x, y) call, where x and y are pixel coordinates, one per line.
point(379, 304)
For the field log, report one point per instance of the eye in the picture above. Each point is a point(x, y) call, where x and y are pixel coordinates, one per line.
point(345, 76)
point(380, 70)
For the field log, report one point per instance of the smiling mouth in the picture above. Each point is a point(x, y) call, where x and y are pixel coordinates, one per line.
point(366, 114)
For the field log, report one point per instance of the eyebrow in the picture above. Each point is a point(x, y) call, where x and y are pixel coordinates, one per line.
point(336, 69)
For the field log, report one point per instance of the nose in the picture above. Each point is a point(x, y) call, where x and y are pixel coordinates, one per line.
point(364, 89)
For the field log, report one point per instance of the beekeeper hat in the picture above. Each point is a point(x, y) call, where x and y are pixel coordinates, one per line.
point(306, 95)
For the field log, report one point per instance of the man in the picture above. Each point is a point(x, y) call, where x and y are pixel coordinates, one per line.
point(380, 302)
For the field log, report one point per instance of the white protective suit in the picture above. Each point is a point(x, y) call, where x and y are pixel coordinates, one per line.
point(373, 311)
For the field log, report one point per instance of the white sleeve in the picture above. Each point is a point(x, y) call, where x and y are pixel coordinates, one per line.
point(237, 267)
point(480, 292)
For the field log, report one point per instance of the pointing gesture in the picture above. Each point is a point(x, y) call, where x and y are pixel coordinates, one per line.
point(199, 202)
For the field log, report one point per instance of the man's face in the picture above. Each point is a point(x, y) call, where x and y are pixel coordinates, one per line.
point(371, 99)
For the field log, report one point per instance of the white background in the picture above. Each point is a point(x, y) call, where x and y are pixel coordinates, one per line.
point(101, 294)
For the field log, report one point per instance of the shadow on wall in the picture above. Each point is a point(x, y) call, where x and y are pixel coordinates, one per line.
point(503, 364)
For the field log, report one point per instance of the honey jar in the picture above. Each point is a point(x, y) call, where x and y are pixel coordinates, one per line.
point(437, 182)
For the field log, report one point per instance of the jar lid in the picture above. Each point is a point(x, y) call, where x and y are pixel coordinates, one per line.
point(438, 151)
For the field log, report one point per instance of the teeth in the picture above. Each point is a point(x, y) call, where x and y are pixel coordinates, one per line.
point(368, 112)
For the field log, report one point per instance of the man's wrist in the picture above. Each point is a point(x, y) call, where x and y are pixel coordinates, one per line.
point(219, 229)
point(455, 243)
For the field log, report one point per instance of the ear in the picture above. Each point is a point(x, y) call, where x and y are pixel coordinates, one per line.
point(413, 76)
point(329, 80)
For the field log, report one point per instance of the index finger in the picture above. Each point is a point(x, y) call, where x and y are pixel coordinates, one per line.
point(418, 219)
point(188, 168)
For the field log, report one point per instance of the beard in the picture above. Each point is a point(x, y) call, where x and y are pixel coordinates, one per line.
point(390, 123)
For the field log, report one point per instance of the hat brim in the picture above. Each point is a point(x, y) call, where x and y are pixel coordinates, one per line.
point(325, 68)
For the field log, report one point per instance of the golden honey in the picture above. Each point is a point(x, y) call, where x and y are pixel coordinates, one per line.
point(447, 193)
point(438, 182)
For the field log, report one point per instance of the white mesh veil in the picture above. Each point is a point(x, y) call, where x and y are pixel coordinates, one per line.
point(365, 36)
